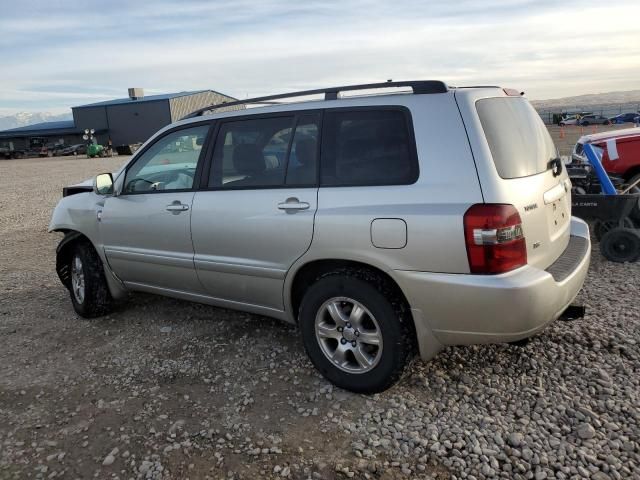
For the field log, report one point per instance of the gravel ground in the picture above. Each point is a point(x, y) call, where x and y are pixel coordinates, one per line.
point(168, 389)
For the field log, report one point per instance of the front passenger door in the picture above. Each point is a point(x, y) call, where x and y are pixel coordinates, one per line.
point(146, 228)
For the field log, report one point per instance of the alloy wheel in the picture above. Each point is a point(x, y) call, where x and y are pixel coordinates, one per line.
point(77, 279)
point(348, 335)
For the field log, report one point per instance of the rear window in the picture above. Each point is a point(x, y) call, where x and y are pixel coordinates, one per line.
point(520, 143)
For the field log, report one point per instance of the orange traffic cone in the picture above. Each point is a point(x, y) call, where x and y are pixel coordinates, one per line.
point(581, 130)
point(562, 135)
point(594, 129)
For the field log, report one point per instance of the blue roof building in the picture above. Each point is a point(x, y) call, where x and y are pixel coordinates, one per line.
point(64, 126)
point(123, 121)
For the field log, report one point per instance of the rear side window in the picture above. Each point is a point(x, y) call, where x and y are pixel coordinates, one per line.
point(367, 147)
point(520, 143)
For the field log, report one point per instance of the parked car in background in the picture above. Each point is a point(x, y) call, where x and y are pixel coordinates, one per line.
point(8, 151)
point(77, 149)
point(51, 150)
point(625, 118)
point(620, 152)
point(584, 120)
point(594, 120)
point(569, 121)
point(380, 224)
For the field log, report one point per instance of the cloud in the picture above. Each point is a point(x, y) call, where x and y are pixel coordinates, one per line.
point(78, 55)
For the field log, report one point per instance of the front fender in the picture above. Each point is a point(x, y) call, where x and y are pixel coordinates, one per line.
point(78, 212)
point(77, 216)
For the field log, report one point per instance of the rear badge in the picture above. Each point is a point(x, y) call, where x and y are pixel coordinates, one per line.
point(528, 208)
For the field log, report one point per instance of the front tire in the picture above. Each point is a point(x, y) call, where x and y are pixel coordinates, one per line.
point(358, 337)
point(88, 288)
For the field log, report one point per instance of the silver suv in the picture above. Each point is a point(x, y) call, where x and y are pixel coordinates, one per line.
point(380, 224)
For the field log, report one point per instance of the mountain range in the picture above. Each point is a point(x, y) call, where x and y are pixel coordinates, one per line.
point(23, 119)
point(629, 97)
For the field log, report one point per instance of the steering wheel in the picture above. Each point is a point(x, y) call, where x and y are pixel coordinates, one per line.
point(134, 181)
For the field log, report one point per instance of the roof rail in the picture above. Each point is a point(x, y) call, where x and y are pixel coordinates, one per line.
point(418, 87)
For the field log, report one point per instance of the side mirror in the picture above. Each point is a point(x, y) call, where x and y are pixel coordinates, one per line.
point(103, 184)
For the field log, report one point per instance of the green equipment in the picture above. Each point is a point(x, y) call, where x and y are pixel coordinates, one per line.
point(95, 150)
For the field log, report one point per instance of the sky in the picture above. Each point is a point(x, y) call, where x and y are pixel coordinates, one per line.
point(55, 54)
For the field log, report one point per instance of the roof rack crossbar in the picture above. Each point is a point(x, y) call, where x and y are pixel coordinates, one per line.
point(418, 87)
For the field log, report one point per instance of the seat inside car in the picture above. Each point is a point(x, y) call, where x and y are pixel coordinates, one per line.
point(305, 172)
point(248, 160)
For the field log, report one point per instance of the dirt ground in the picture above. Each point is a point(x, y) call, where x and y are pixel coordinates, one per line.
point(163, 388)
point(199, 386)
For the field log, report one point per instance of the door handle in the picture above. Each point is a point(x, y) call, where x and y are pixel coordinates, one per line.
point(293, 204)
point(177, 207)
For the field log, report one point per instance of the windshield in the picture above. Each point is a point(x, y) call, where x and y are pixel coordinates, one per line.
point(518, 139)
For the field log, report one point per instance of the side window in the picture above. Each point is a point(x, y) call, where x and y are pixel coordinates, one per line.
point(303, 159)
point(367, 147)
point(251, 153)
point(169, 164)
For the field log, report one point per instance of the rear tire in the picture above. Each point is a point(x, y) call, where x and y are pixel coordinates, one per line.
point(88, 288)
point(355, 332)
point(621, 245)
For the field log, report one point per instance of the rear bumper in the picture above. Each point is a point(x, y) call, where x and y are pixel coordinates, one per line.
point(465, 309)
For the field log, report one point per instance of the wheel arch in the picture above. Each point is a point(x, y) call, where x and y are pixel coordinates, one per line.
point(301, 277)
point(306, 273)
point(64, 251)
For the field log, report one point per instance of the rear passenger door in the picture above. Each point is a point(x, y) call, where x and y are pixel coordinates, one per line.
point(253, 216)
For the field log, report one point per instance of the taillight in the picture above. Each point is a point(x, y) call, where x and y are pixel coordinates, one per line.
point(494, 238)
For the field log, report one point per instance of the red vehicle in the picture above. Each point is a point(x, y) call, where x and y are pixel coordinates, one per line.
point(621, 152)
